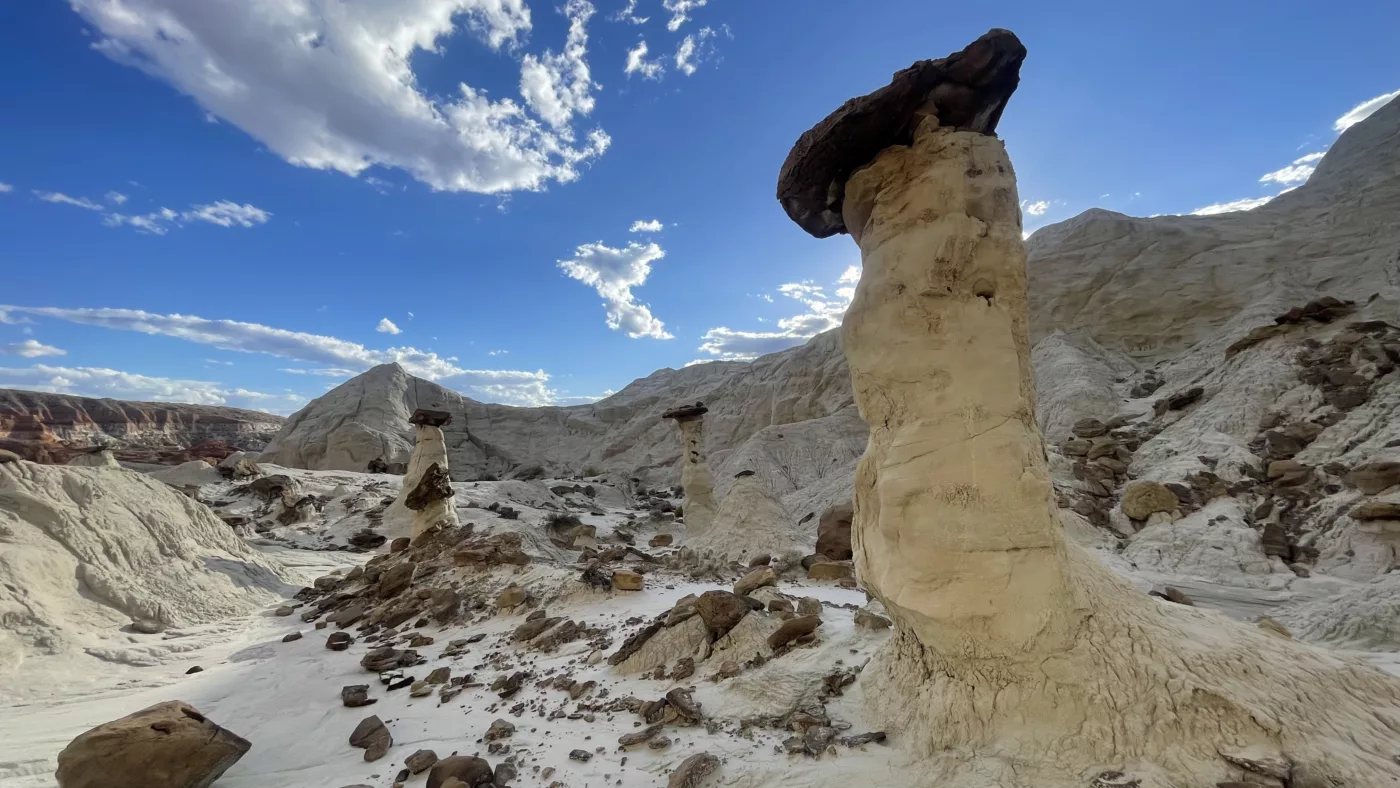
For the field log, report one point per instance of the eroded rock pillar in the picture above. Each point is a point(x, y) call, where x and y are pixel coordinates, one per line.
point(699, 485)
point(426, 491)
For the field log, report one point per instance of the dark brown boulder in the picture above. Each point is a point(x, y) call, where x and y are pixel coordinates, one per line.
point(435, 485)
point(834, 532)
point(168, 745)
point(966, 90)
point(373, 737)
point(470, 770)
point(430, 418)
point(721, 611)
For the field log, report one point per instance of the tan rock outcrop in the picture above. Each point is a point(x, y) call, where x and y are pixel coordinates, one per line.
point(751, 521)
point(699, 485)
point(168, 745)
point(1017, 659)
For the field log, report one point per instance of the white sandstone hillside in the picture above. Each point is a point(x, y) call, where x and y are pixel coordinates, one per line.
point(99, 560)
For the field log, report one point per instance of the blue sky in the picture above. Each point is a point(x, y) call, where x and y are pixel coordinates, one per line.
point(244, 203)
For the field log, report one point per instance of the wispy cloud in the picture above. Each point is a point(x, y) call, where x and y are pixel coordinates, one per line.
point(613, 272)
point(680, 11)
point(324, 372)
point(629, 14)
point(510, 386)
point(824, 312)
point(5, 187)
point(637, 63)
point(30, 348)
point(226, 213)
point(1248, 204)
point(102, 382)
point(1037, 208)
point(1363, 111)
point(60, 198)
point(115, 198)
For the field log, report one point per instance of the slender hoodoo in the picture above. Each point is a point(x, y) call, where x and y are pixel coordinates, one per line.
point(427, 489)
point(699, 486)
point(1018, 659)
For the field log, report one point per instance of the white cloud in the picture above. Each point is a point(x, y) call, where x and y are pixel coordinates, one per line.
point(386, 326)
point(156, 223)
point(510, 386)
point(1299, 171)
point(696, 49)
point(1037, 208)
point(63, 199)
point(325, 372)
point(227, 214)
point(584, 399)
point(1363, 111)
point(629, 14)
point(640, 226)
point(637, 63)
point(331, 85)
point(558, 86)
point(823, 313)
point(30, 348)
point(497, 352)
point(116, 198)
point(680, 11)
point(102, 382)
point(1247, 204)
point(5, 187)
point(613, 273)
point(6, 319)
point(217, 361)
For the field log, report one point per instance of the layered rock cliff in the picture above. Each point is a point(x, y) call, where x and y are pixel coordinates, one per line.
point(46, 427)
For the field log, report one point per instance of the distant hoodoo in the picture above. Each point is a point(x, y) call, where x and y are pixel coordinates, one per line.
point(699, 485)
point(426, 494)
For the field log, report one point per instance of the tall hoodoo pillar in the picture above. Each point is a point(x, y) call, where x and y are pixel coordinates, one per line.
point(699, 486)
point(427, 490)
point(1017, 659)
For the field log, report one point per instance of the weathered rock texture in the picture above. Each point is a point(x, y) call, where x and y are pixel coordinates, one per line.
point(168, 745)
point(699, 485)
point(1017, 659)
point(85, 551)
point(751, 521)
point(45, 427)
point(425, 500)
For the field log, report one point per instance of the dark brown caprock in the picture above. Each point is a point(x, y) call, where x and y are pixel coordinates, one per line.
point(430, 418)
point(684, 412)
point(966, 90)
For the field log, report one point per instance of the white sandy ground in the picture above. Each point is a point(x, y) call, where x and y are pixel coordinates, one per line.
point(285, 697)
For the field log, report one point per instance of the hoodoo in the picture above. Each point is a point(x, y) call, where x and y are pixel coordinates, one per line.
point(695, 468)
point(1018, 660)
point(427, 490)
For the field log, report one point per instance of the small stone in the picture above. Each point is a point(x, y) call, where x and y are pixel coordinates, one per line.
point(693, 771)
point(505, 772)
point(284, 610)
point(643, 735)
point(511, 596)
point(793, 629)
point(869, 619)
point(420, 761)
point(625, 580)
point(659, 743)
point(193, 670)
point(758, 578)
point(373, 737)
point(1142, 499)
point(291, 636)
point(661, 540)
point(469, 770)
point(809, 606)
point(1273, 627)
point(439, 675)
point(582, 756)
point(398, 546)
point(420, 689)
point(147, 626)
point(721, 610)
point(1088, 428)
point(831, 570)
point(339, 641)
point(356, 695)
point(500, 729)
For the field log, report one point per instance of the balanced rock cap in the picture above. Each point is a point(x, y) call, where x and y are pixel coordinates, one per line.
point(686, 412)
point(430, 418)
point(966, 90)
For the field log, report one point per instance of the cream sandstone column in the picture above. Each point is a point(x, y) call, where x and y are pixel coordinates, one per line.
point(429, 448)
point(699, 485)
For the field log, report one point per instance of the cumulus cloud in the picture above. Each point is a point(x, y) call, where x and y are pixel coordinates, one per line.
point(62, 199)
point(116, 198)
point(558, 86)
point(331, 86)
point(509, 386)
point(680, 11)
point(649, 226)
point(1299, 171)
point(386, 326)
point(1037, 208)
point(1247, 204)
point(637, 63)
point(102, 382)
point(30, 348)
point(613, 273)
point(1363, 111)
point(823, 312)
